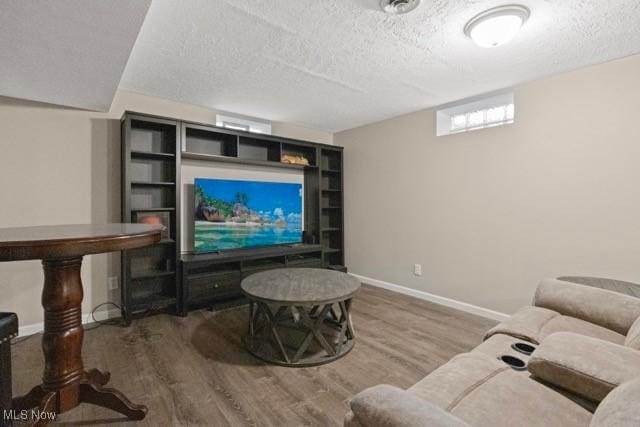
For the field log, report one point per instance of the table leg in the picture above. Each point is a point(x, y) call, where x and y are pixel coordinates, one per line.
point(65, 383)
point(96, 376)
point(333, 332)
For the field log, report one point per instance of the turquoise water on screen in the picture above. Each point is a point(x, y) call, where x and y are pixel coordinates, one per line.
point(209, 237)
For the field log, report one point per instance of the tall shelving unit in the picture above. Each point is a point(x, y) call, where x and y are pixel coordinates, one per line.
point(331, 206)
point(150, 192)
point(161, 277)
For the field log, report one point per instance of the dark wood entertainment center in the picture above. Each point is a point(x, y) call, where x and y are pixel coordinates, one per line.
point(161, 277)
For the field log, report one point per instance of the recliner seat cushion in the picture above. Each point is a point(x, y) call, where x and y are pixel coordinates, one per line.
point(571, 324)
point(621, 407)
point(482, 390)
point(536, 323)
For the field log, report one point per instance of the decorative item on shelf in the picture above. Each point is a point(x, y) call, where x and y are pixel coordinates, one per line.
point(154, 218)
point(294, 160)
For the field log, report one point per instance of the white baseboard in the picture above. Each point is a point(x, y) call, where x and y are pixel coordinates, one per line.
point(463, 306)
point(35, 328)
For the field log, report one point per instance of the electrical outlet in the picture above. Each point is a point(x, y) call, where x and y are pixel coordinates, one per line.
point(112, 283)
point(417, 269)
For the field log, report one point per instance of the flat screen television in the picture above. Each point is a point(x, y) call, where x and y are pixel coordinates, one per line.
point(234, 214)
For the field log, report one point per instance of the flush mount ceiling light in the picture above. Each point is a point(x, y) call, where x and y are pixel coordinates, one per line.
point(496, 26)
point(398, 7)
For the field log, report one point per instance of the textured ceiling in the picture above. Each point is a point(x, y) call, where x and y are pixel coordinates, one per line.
point(337, 64)
point(67, 52)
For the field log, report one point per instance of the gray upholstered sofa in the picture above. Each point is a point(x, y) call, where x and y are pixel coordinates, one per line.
point(584, 370)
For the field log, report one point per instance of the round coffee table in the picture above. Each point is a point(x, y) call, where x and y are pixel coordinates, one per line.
point(300, 316)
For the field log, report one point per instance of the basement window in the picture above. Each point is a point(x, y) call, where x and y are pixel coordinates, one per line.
point(246, 125)
point(479, 114)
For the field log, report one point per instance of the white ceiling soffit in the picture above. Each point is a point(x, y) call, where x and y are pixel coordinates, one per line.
point(67, 52)
point(337, 64)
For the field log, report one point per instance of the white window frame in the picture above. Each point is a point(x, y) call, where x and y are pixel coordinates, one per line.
point(247, 125)
point(475, 114)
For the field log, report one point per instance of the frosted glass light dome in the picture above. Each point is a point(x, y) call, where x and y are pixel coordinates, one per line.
point(496, 26)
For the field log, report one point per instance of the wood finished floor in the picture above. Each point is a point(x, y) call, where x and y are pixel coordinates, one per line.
point(194, 371)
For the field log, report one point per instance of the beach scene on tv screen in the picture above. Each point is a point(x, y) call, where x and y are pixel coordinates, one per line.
point(233, 214)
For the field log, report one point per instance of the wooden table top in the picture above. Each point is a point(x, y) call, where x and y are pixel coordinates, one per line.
point(68, 241)
point(300, 286)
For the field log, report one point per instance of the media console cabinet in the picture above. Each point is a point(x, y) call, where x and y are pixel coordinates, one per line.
point(209, 279)
point(154, 151)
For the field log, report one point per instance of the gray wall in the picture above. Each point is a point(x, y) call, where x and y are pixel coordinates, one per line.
point(488, 213)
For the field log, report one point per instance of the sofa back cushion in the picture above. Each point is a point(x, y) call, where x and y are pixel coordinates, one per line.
point(633, 336)
point(608, 309)
point(620, 408)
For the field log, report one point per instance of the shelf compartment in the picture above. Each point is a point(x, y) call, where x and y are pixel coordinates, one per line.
point(333, 258)
point(331, 199)
point(152, 293)
point(331, 182)
point(331, 242)
point(146, 197)
point(296, 150)
point(152, 170)
point(151, 302)
point(151, 262)
point(217, 268)
point(331, 218)
point(212, 158)
point(331, 160)
point(164, 217)
point(258, 149)
point(152, 137)
point(205, 141)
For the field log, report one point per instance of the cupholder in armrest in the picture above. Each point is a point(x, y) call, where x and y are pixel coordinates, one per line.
point(514, 362)
point(523, 348)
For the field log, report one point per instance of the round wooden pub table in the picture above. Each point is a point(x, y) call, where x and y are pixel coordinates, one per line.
point(65, 382)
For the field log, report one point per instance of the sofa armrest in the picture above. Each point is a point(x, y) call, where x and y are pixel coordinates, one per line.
point(587, 366)
point(389, 406)
point(605, 308)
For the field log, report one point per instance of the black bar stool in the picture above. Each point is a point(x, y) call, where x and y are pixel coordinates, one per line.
point(8, 330)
